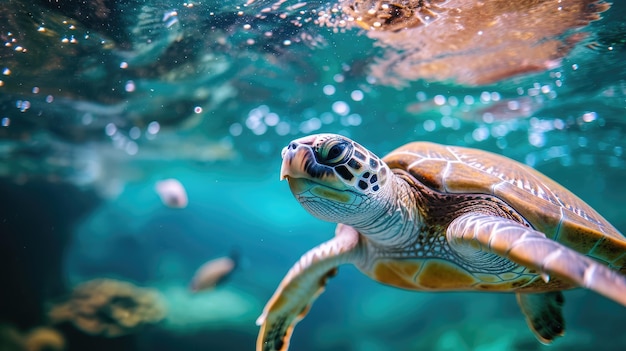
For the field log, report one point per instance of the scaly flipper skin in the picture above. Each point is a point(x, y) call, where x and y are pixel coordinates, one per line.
point(544, 314)
point(481, 233)
point(301, 286)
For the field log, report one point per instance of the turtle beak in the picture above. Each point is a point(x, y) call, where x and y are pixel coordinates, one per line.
point(294, 159)
point(284, 169)
point(295, 156)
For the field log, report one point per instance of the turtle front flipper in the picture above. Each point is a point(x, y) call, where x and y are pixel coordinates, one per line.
point(301, 286)
point(473, 236)
point(544, 314)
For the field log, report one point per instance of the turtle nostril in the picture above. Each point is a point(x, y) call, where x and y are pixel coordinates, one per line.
point(292, 146)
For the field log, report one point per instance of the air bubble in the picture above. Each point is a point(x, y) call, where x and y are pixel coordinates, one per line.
point(271, 119)
point(110, 129)
point(87, 119)
point(327, 118)
point(131, 148)
point(445, 110)
point(429, 125)
point(439, 100)
point(357, 95)
point(536, 139)
point(590, 117)
point(235, 129)
point(354, 119)
point(283, 128)
point(341, 108)
point(134, 133)
point(23, 105)
point(328, 89)
point(480, 133)
point(485, 96)
point(501, 143)
point(447, 121)
point(338, 78)
point(311, 125)
point(260, 129)
point(130, 86)
point(154, 127)
point(513, 105)
point(558, 124)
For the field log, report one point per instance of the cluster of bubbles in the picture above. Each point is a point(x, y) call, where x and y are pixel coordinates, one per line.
point(326, 14)
point(261, 119)
point(127, 140)
point(12, 42)
point(472, 116)
point(573, 146)
point(22, 105)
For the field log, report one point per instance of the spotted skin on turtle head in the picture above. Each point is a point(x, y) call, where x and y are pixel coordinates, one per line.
point(336, 160)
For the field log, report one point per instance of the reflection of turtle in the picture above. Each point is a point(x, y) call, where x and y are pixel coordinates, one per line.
point(442, 218)
point(466, 41)
point(390, 15)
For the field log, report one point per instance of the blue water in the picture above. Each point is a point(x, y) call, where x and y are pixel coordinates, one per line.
point(99, 101)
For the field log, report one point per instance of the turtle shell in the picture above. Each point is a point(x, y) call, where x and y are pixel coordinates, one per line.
point(546, 205)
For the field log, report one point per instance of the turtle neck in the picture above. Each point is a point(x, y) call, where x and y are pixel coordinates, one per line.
point(392, 217)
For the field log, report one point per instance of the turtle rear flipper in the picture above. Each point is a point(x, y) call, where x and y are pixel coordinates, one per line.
point(544, 314)
point(301, 286)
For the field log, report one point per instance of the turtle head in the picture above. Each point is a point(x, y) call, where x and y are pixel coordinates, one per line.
point(333, 177)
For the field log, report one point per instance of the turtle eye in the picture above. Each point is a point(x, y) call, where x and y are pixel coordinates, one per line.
point(334, 152)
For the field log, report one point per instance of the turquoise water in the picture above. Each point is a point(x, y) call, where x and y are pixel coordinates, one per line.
point(100, 101)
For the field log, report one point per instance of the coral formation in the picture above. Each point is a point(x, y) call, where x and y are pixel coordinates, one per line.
point(38, 339)
point(109, 308)
point(44, 338)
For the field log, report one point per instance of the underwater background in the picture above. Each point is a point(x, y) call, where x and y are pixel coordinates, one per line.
point(101, 100)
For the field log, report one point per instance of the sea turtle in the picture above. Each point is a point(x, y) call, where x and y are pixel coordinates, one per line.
point(431, 217)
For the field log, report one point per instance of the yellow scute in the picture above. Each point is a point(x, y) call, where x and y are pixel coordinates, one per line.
point(397, 273)
point(440, 275)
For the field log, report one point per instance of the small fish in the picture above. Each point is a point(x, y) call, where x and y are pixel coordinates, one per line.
point(172, 193)
point(213, 272)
